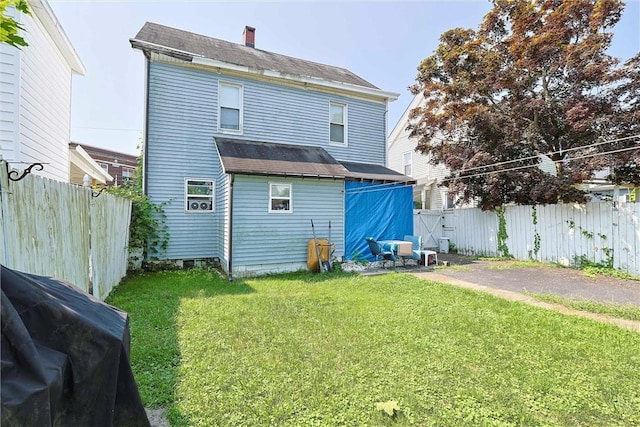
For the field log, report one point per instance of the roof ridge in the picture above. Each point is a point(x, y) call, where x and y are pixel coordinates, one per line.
point(206, 47)
point(252, 48)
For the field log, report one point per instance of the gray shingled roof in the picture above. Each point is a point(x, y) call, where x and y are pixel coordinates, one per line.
point(265, 158)
point(239, 54)
point(371, 172)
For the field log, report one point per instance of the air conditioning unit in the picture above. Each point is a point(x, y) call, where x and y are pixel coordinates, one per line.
point(199, 205)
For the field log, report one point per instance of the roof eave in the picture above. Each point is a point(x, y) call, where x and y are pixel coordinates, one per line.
point(214, 63)
point(79, 157)
point(361, 90)
point(45, 14)
point(283, 174)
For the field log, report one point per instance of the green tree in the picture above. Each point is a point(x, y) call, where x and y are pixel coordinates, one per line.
point(147, 229)
point(625, 124)
point(9, 27)
point(534, 79)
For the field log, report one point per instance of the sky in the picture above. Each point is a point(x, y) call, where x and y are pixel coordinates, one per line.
point(381, 41)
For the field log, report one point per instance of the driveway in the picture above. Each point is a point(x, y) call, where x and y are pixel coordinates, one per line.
point(509, 281)
point(543, 279)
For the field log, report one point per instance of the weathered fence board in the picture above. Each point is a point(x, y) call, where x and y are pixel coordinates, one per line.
point(565, 233)
point(110, 218)
point(55, 229)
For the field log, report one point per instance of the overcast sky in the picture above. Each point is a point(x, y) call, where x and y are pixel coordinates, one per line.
point(381, 41)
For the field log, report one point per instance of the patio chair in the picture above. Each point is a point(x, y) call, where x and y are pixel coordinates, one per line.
point(379, 253)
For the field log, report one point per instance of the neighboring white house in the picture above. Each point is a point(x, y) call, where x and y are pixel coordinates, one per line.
point(402, 157)
point(35, 82)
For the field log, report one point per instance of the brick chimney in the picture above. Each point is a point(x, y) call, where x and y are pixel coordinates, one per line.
point(249, 36)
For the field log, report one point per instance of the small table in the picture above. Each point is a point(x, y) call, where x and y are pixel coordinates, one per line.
point(398, 247)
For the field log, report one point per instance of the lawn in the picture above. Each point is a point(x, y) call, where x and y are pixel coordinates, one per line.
point(307, 350)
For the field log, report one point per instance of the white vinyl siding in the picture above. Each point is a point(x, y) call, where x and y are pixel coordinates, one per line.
point(41, 106)
point(229, 107)
point(9, 102)
point(337, 123)
point(407, 163)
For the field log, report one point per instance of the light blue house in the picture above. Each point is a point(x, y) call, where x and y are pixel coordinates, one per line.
point(246, 146)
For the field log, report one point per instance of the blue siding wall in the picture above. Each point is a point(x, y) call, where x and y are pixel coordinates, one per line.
point(270, 242)
point(182, 125)
point(180, 145)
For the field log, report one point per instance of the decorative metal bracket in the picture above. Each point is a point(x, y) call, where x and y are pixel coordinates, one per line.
point(15, 175)
point(95, 194)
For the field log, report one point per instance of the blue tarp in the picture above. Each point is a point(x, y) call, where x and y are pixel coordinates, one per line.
point(381, 211)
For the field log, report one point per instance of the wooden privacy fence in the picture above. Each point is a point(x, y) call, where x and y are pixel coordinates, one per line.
point(56, 229)
point(564, 233)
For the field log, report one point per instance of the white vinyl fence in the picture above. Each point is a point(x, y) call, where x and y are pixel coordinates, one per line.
point(564, 233)
point(56, 229)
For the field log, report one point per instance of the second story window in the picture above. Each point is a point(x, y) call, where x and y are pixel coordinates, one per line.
point(229, 107)
point(337, 123)
point(406, 163)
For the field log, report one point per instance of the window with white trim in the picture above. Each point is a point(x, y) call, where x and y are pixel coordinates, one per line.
point(407, 160)
point(198, 195)
point(280, 197)
point(229, 107)
point(337, 123)
point(126, 173)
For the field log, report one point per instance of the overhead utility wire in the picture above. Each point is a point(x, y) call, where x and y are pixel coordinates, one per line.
point(554, 152)
point(533, 166)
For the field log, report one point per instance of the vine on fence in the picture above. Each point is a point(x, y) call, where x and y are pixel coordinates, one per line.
point(583, 261)
point(148, 228)
point(536, 235)
point(503, 248)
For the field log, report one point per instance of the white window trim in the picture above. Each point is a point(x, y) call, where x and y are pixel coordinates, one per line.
point(404, 165)
point(345, 115)
point(277, 211)
point(240, 101)
point(212, 197)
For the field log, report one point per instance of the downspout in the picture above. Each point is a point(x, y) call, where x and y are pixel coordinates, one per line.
point(145, 137)
point(232, 178)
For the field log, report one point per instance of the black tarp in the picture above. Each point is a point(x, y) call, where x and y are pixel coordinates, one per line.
point(65, 357)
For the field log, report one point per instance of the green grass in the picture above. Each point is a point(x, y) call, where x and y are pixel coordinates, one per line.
point(595, 271)
point(307, 350)
point(512, 263)
point(630, 312)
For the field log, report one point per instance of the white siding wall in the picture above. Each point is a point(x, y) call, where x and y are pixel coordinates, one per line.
point(273, 242)
point(44, 103)
point(9, 101)
point(422, 170)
